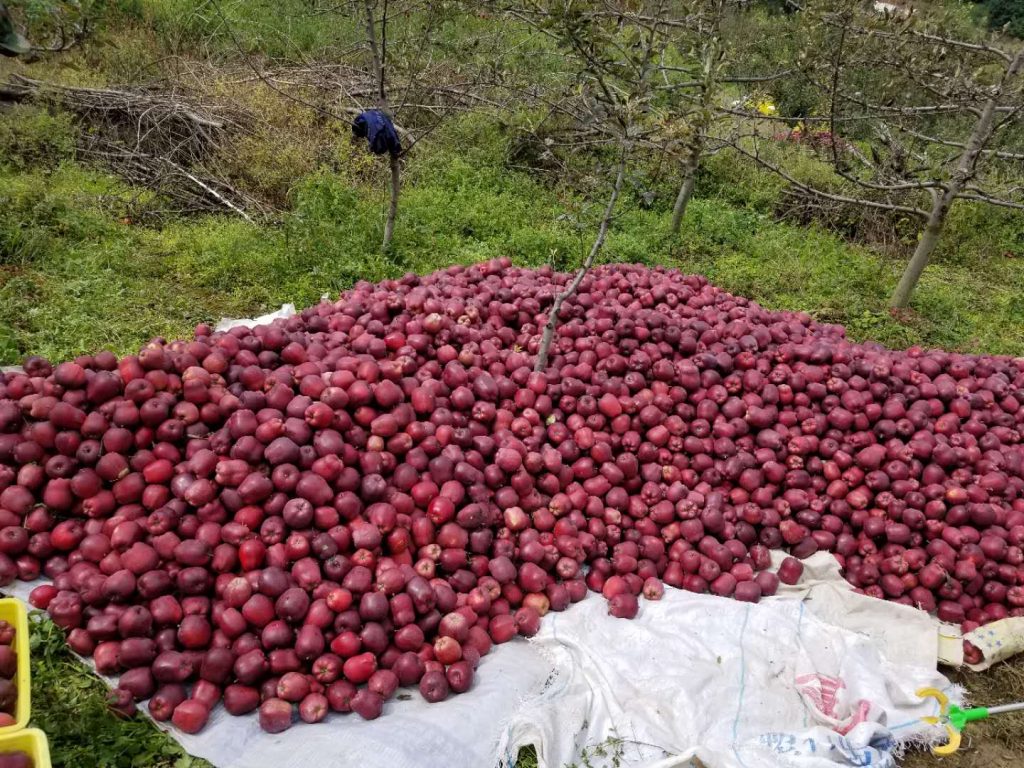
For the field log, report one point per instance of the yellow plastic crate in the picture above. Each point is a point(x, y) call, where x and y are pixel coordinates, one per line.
point(13, 611)
point(32, 741)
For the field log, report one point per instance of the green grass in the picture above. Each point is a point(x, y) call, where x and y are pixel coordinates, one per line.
point(69, 705)
point(277, 29)
point(75, 277)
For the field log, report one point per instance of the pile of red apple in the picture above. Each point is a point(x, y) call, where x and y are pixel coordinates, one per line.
point(304, 516)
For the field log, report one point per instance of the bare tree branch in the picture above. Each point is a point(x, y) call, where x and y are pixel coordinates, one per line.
point(625, 103)
point(959, 145)
point(908, 31)
point(602, 232)
point(983, 198)
point(740, 79)
point(810, 190)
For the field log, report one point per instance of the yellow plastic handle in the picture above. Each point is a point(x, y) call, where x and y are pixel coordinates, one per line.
point(951, 746)
point(938, 695)
point(13, 611)
point(953, 743)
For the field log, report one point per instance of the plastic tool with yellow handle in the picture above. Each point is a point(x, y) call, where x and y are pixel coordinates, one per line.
point(954, 718)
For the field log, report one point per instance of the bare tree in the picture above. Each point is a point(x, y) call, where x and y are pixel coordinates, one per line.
point(959, 184)
point(616, 47)
point(938, 115)
point(602, 232)
point(401, 79)
point(697, 86)
point(709, 58)
point(378, 54)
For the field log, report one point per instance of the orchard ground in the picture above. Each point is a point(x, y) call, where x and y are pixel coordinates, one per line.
point(79, 271)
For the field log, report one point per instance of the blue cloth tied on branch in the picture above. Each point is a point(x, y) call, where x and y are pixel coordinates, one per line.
point(378, 130)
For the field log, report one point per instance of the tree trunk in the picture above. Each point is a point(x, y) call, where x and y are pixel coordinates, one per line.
point(923, 253)
point(377, 55)
point(965, 170)
point(685, 191)
point(708, 92)
point(378, 62)
point(389, 225)
point(602, 233)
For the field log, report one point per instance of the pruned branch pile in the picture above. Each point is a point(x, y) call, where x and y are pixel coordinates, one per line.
point(161, 141)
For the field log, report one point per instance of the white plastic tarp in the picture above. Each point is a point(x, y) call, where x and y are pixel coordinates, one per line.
point(816, 677)
point(227, 323)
